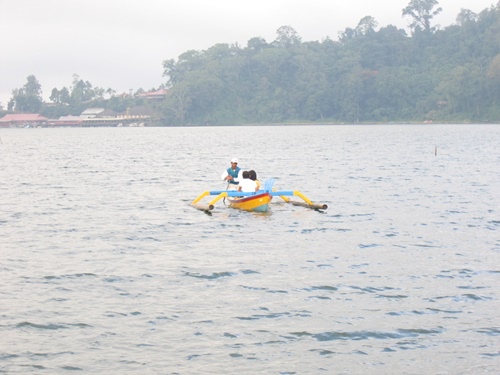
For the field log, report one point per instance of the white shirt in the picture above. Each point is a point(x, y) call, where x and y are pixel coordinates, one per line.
point(247, 185)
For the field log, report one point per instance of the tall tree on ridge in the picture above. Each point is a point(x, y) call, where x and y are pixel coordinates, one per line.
point(422, 12)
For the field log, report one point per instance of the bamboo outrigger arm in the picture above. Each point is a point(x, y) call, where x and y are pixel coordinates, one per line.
point(307, 202)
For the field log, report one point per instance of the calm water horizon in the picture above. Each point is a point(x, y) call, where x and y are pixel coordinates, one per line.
point(105, 267)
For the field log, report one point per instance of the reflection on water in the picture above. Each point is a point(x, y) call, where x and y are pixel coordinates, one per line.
point(105, 267)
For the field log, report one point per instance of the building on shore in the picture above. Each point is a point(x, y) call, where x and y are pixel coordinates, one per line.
point(91, 117)
point(23, 120)
point(158, 95)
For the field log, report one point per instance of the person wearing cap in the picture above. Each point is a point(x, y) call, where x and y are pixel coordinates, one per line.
point(232, 174)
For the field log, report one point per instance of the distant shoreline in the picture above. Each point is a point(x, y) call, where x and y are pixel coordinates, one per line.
point(261, 125)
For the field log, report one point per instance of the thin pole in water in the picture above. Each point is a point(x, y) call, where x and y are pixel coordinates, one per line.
point(435, 151)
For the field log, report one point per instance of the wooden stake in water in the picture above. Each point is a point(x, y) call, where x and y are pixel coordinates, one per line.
point(436, 150)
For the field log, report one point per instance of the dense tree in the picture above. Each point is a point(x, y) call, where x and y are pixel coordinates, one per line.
point(368, 75)
point(287, 37)
point(27, 99)
point(60, 96)
point(422, 12)
point(81, 91)
point(256, 44)
point(466, 16)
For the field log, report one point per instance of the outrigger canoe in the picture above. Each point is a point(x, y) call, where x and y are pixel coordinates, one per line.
point(255, 201)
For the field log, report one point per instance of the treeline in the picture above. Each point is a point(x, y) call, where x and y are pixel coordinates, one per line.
point(367, 75)
point(69, 101)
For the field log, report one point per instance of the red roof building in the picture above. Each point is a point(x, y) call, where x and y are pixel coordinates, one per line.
point(22, 120)
point(155, 95)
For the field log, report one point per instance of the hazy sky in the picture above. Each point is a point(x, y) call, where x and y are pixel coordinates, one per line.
point(121, 44)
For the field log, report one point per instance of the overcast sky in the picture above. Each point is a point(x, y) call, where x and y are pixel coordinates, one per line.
point(121, 44)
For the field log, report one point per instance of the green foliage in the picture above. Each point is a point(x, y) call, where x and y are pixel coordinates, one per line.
point(450, 74)
point(82, 95)
point(27, 99)
point(422, 12)
point(366, 76)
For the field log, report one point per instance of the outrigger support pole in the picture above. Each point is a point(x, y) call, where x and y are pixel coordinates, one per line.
point(202, 207)
point(218, 197)
point(210, 206)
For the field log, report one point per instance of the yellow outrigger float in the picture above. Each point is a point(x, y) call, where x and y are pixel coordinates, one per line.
point(255, 201)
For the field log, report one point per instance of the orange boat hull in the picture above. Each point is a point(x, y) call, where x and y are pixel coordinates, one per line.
point(258, 203)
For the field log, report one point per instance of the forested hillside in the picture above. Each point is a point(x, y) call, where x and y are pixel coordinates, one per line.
point(368, 75)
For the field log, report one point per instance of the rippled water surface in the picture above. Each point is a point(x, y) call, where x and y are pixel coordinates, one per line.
point(105, 268)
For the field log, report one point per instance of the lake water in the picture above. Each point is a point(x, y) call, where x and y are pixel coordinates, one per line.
point(105, 268)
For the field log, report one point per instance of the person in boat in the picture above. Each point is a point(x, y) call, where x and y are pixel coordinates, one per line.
point(247, 185)
point(232, 174)
point(252, 175)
